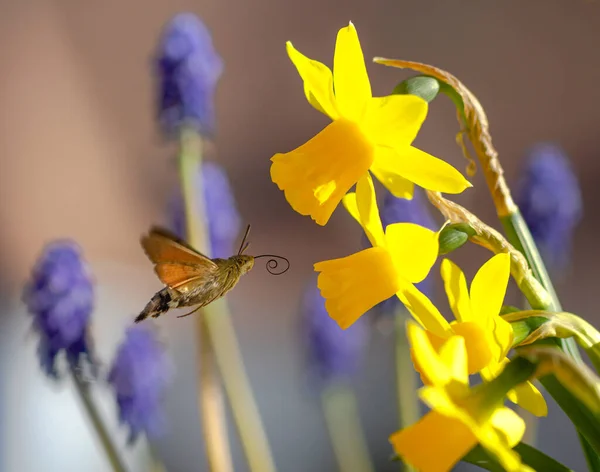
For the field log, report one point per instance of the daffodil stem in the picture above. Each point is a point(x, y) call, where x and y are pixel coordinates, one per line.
point(347, 438)
point(210, 400)
point(219, 337)
point(109, 448)
point(406, 381)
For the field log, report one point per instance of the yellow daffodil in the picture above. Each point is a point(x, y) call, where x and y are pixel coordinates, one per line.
point(458, 419)
point(400, 257)
point(488, 337)
point(367, 133)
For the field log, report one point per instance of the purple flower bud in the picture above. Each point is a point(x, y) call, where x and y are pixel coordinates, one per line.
point(188, 70)
point(401, 210)
point(221, 213)
point(334, 353)
point(550, 201)
point(140, 375)
point(60, 296)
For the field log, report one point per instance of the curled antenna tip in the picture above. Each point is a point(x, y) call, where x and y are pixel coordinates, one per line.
point(273, 263)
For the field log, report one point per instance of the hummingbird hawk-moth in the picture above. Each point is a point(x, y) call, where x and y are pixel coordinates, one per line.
point(191, 278)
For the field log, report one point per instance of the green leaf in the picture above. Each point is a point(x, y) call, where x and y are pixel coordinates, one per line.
point(530, 456)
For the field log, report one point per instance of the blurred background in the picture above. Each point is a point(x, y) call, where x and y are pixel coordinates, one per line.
point(81, 157)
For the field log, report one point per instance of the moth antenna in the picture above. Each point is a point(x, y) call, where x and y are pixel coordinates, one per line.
point(273, 263)
point(242, 246)
point(190, 313)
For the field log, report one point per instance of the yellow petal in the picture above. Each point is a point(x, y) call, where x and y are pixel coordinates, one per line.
point(318, 81)
point(414, 249)
point(318, 174)
point(439, 368)
point(366, 202)
point(395, 120)
point(489, 287)
point(455, 285)
point(422, 310)
point(421, 168)
point(502, 337)
point(398, 186)
point(351, 82)
point(479, 353)
point(353, 285)
point(349, 202)
point(433, 444)
point(527, 396)
point(510, 425)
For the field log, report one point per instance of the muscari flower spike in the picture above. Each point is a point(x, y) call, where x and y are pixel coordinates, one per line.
point(401, 210)
point(140, 376)
point(188, 69)
point(334, 354)
point(550, 200)
point(368, 135)
point(220, 210)
point(60, 296)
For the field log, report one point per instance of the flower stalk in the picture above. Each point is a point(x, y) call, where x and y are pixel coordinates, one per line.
point(218, 342)
point(86, 398)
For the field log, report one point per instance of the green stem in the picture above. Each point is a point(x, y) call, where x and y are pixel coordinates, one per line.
point(406, 380)
point(109, 448)
point(210, 397)
point(216, 320)
point(519, 236)
point(347, 438)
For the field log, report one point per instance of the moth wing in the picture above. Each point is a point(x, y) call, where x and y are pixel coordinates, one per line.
point(163, 246)
point(183, 277)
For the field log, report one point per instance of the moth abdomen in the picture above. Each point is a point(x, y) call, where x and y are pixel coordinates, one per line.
point(158, 304)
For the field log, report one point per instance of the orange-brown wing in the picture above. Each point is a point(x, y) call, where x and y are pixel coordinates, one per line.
point(162, 246)
point(183, 277)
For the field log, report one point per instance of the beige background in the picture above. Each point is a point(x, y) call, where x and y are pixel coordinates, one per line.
point(80, 157)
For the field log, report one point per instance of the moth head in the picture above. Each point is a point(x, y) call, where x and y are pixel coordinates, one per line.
point(245, 263)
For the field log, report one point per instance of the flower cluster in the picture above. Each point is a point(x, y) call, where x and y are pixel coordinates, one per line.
point(60, 296)
point(140, 375)
point(373, 137)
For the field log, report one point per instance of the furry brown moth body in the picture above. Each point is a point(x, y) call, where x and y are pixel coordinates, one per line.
point(191, 278)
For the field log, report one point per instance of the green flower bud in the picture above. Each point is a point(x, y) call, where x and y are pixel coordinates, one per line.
point(422, 86)
point(454, 236)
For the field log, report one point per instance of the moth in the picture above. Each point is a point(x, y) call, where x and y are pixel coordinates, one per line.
point(190, 277)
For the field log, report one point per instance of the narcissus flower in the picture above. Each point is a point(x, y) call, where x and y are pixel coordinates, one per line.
point(367, 133)
point(458, 419)
point(488, 337)
point(400, 257)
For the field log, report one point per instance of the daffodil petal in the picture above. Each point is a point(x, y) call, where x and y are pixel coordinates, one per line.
point(398, 186)
point(366, 202)
point(421, 168)
point(454, 355)
point(426, 357)
point(502, 337)
point(423, 311)
point(455, 285)
point(527, 396)
point(316, 176)
point(414, 249)
point(394, 121)
point(351, 82)
point(353, 285)
point(479, 353)
point(434, 444)
point(318, 81)
point(509, 424)
point(349, 202)
point(489, 287)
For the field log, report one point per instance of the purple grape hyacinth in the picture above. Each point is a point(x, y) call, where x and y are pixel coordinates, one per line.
point(60, 296)
point(188, 69)
point(550, 200)
point(140, 376)
point(220, 209)
point(334, 354)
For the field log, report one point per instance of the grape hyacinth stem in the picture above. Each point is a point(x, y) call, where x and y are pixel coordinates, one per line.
point(218, 336)
point(99, 426)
